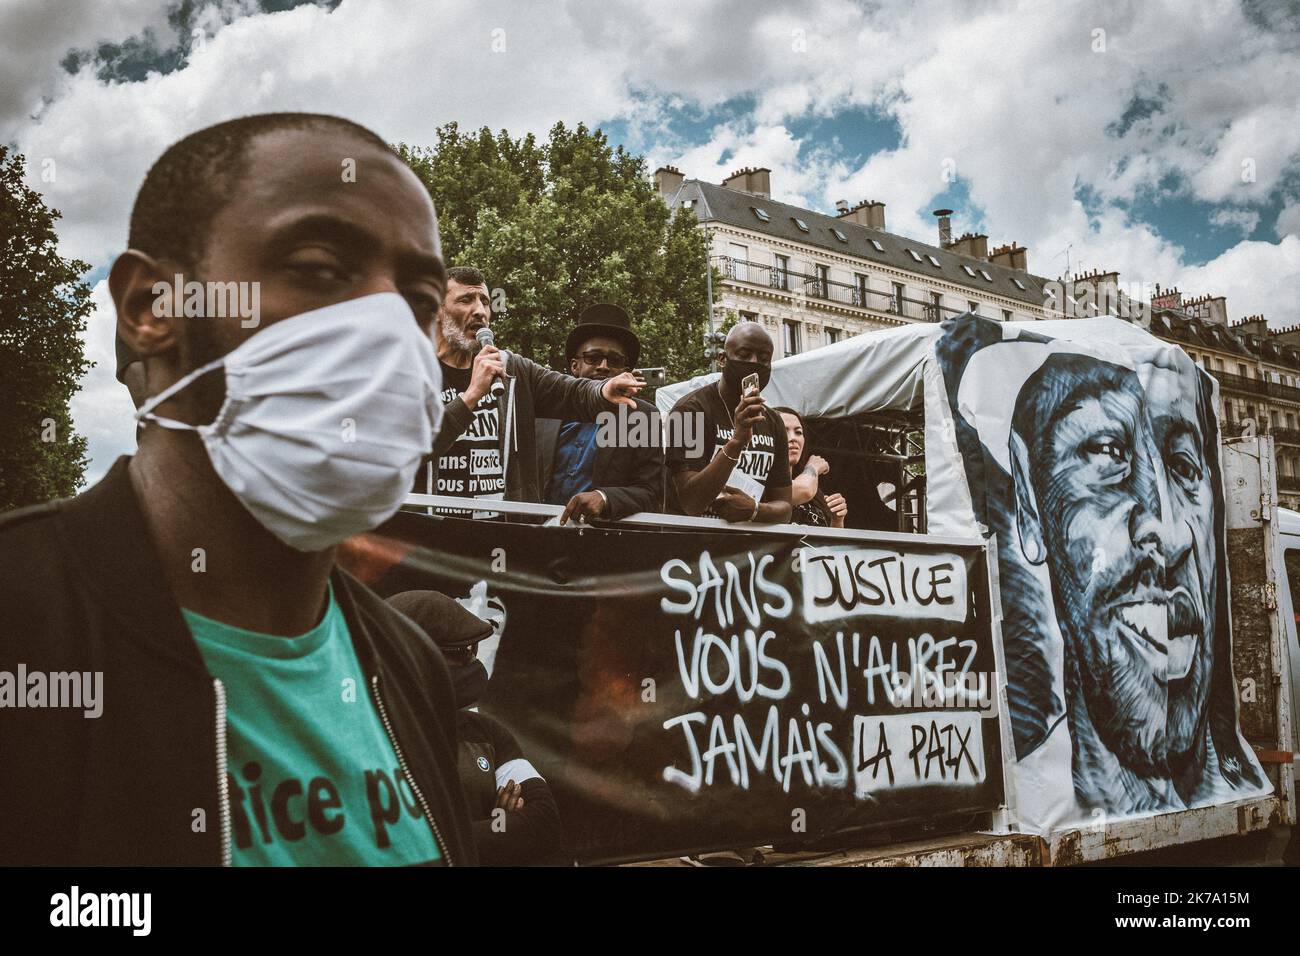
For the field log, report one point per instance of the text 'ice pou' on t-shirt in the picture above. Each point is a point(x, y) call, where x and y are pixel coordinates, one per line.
point(312, 776)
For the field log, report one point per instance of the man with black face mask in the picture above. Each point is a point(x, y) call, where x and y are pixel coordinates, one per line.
point(743, 471)
point(512, 811)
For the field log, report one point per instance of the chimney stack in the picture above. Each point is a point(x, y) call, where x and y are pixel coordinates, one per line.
point(1287, 336)
point(869, 213)
point(667, 181)
point(1252, 325)
point(1168, 299)
point(1212, 308)
point(841, 206)
point(1013, 256)
point(754, 180)
point(945, 227)
point(1101, 289)
point(971, 244)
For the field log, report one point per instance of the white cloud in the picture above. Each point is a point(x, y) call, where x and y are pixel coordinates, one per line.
point(1025, 104)
point(39, 34)
point(1288, 220)
point(386, 64)
point(1259, 278)
point(1242, 220)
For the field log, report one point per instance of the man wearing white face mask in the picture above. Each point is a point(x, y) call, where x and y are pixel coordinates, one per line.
point(259, 706)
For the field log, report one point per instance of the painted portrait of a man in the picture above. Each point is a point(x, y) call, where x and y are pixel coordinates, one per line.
point(1103, 485)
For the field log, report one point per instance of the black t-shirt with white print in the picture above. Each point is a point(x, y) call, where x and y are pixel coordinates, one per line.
point(764, 460)
point(471, 467)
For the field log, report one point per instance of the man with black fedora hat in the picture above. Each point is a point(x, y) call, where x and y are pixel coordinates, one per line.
point(594, 470)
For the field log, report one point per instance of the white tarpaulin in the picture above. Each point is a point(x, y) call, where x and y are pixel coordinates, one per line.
point(1091, 449)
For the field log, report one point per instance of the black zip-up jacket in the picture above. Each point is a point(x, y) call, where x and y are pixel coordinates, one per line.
point(82, 590)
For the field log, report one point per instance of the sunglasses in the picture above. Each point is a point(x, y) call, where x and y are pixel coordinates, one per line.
point(596, 356)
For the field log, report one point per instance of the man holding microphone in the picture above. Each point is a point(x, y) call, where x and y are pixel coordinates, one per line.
point(486, 447)
point(743, 471)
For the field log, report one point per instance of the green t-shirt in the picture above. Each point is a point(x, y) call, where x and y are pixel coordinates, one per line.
point(312, 776)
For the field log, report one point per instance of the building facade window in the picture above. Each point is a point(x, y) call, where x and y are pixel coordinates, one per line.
point(822, 287)
point(1006, 315)
point(782, 273)
point(833, 335)
point(860, 289)
point(739, 262)
point(972, 306)
point(932, 311)
point(896, 301)
point(791, 329)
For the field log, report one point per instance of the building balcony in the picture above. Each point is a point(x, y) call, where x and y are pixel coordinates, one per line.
point(1257, 386)
point(1240, 383)
point(816, 289)
point(1286, 436)
point(1288, 483)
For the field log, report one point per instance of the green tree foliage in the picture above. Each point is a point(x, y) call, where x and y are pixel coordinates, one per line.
point(43, 311)
point(560, 225)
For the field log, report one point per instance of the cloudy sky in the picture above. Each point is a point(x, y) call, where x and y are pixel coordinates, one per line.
point(1159, 138)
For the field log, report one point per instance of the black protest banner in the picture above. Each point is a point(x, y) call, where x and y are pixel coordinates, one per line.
point(685, 691)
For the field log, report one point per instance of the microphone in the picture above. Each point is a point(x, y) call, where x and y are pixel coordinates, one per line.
point(484, 338)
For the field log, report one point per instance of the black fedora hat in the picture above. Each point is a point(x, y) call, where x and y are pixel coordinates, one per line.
point(442, 618)
point(604, 319)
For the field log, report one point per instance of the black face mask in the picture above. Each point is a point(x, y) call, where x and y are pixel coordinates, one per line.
point(734, 372)
point(469, 681)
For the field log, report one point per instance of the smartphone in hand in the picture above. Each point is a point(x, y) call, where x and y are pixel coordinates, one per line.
point(653, 377)
point(749, 384)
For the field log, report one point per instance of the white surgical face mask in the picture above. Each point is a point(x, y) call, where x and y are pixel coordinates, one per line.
point(326, 418)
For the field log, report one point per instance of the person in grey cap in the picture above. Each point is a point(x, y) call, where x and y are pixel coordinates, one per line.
point(512, 812)
point(590, 475)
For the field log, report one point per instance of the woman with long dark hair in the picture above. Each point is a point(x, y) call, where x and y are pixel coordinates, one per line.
point(806, 471)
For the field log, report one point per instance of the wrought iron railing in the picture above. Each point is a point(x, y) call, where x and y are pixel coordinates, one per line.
point(828, 290)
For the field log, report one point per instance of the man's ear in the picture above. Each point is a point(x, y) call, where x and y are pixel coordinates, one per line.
point(573, 367)
point(1028, 522)
point(142, 295)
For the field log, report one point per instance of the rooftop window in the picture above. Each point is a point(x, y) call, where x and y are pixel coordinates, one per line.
point(913, 253)
point(877, 246)
point(840, 236)
point(761, 214)
point(803, 226)
point(969, 271)
point(1019, 285)
point(987, 277)
point(933, 261)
